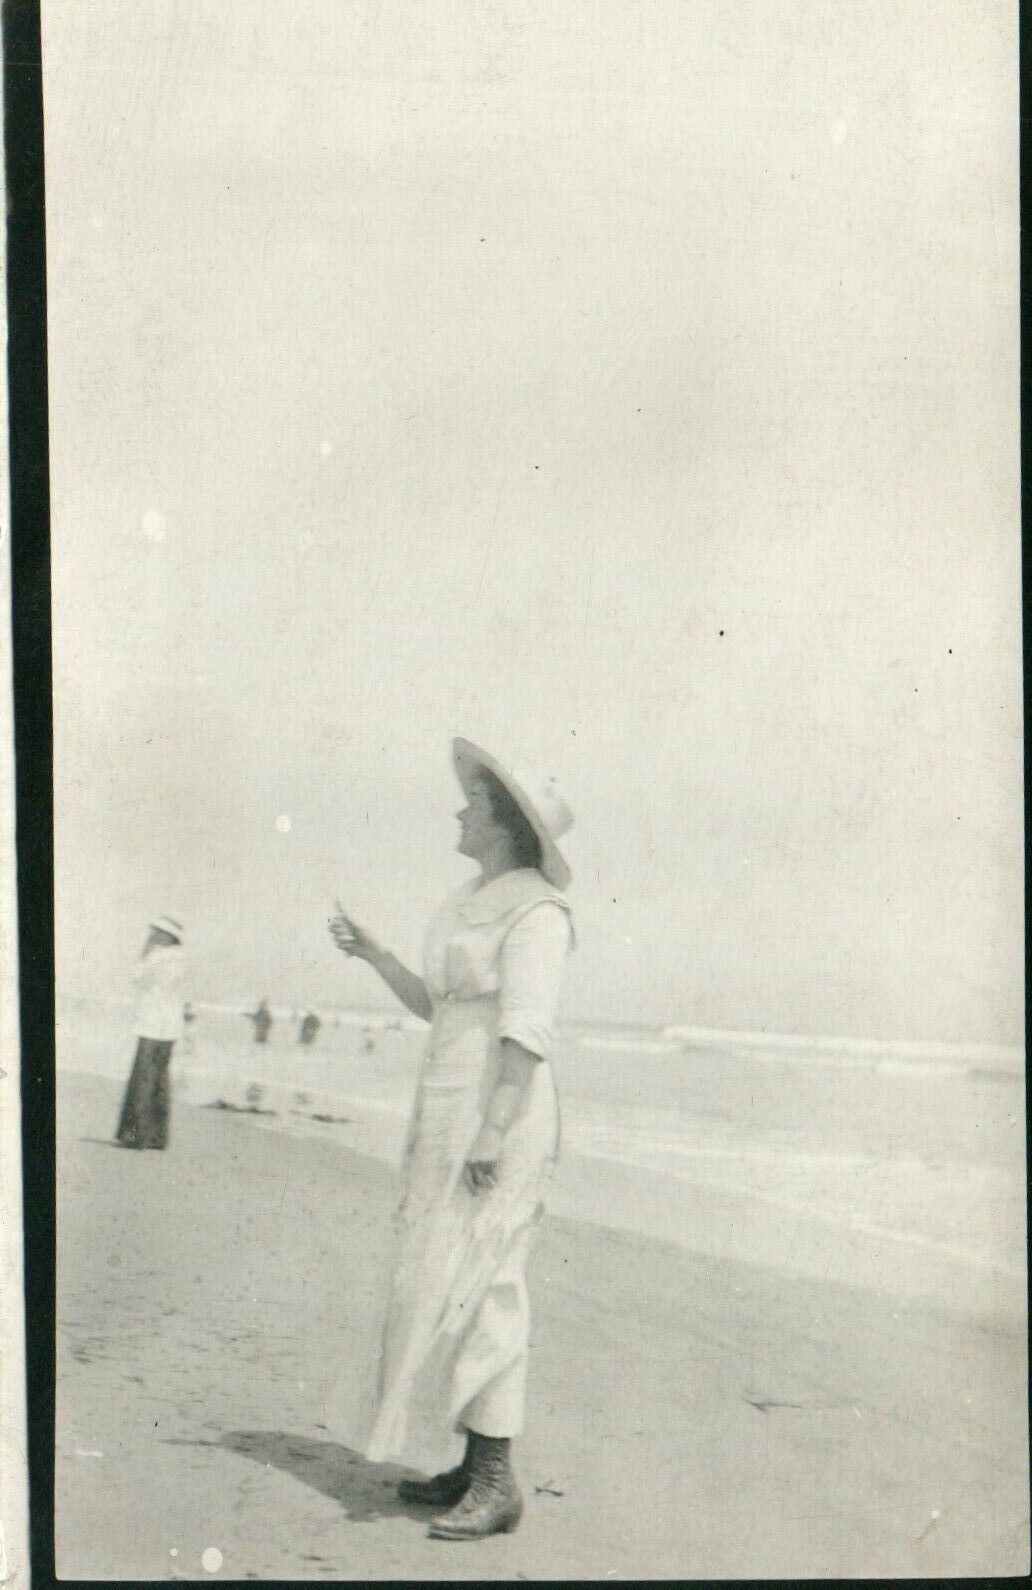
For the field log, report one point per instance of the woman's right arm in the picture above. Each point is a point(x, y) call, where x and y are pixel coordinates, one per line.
point(405, 985)
point(409, 988)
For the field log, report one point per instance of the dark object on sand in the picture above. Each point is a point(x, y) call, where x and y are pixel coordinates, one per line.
point(237, 1109)
point(144, 1121)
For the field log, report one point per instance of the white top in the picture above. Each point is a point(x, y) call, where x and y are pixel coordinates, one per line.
point(509, 940)
point(159, 977)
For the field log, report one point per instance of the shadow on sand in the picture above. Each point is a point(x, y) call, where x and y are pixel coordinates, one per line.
point(365, 1490)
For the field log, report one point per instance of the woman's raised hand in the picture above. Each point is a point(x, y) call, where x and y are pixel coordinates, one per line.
point(349, 937)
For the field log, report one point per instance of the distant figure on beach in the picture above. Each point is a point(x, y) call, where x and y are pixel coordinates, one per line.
point(309, 1030)
point(483, 1138)
point(262, 1019)
point(158, 975)
point(189, 1017)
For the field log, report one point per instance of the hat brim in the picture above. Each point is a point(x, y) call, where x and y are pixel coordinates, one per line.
point(469, 759)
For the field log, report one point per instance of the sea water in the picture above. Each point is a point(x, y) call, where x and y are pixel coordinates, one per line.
point(895, 1165)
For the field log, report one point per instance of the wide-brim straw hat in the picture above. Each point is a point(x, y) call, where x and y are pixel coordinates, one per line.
point(168, 924)
point(537, 795)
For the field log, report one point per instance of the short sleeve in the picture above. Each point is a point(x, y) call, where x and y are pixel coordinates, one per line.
point(533, 962)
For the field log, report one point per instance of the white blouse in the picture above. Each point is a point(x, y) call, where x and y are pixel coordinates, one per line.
point(159, 976)
point(509, 940)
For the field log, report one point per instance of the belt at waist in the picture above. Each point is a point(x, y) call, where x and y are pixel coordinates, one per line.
point(461, 1043)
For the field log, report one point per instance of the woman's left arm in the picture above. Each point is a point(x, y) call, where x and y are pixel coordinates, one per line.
point(533, 962)
point(514, 1073)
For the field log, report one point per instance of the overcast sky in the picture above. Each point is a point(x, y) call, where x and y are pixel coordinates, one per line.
point(629, 386)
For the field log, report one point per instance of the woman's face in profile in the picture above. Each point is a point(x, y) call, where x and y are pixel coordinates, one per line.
point(480, 828)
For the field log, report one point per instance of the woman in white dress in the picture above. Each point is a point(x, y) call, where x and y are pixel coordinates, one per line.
point(483, 1137)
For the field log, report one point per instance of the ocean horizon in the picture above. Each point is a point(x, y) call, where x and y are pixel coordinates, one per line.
point(632, 1036)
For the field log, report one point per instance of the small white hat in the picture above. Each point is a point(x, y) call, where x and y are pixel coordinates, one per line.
point(537, 795)
point(168, 924)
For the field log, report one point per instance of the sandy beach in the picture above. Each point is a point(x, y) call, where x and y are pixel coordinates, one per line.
point(690, 1416)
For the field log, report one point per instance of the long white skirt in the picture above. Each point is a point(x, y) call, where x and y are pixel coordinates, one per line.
point(457, 1320)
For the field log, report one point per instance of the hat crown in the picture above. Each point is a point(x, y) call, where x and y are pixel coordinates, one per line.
point(543, 790)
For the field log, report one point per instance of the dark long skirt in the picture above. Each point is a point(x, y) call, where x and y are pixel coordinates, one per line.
point(144, 1120)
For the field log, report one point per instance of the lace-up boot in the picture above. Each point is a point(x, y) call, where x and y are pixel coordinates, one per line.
point(492, 1505)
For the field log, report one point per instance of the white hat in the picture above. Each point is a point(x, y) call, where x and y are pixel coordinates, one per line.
point(535, 792)
point(168, 924)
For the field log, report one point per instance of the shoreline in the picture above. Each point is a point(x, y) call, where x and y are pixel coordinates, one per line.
point(690, 1415)
point(950, 1234)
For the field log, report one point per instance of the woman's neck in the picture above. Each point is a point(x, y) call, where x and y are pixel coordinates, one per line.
point(495, 866)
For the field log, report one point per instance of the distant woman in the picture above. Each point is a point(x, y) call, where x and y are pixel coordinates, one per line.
point(309, 1030)
point(262, 1018)
point(159, 976)
point(484, 1134)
